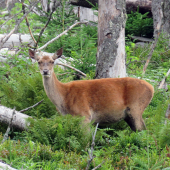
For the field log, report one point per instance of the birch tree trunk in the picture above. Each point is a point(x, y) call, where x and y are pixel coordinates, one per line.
point(19, 119)
point(49, 5)
point(111, 39)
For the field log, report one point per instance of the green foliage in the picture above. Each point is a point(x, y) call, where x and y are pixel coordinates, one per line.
point(66, 133)
point(158, 65)
point(62, 142)
point(79, 44)
point(22, 87)
point(139, 25)
point(164, 137)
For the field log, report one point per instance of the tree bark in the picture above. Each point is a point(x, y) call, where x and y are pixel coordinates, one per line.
point(166, 19)
point(161, 16)
point(111, 39)
point(157, 16)
point(19, 119)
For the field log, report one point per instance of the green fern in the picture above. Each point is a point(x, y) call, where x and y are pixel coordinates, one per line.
point(61, 132)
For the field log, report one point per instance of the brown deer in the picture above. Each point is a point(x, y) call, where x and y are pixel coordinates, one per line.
point(106, 100)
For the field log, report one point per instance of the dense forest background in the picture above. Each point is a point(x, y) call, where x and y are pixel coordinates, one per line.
point(53, 141)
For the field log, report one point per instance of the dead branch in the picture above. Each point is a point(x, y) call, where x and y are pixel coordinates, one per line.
point(31, 106)
point(9, 127)
point(72, 68)
point(27, 23)
point(98, 166)
point(92, 148)
point(150, 54)
point(163, 80)
point(10, 19)
point(136, 61)
point(17, 25)
point(34, 10)
point(158, 27)
point(49, 18)
point(64, 73)
point(58, 36)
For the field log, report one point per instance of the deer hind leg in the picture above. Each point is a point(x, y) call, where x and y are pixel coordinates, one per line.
point(134, 119)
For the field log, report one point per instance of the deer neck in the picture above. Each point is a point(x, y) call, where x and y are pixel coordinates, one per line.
point(55, 91)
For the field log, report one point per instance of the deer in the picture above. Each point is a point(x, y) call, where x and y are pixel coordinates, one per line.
point(104, 101)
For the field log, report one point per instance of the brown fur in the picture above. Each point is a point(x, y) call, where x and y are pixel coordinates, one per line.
point(106, 100)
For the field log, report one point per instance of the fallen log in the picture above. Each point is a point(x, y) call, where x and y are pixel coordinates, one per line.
point(4, 166)
point(131, 5)
point(19, 119)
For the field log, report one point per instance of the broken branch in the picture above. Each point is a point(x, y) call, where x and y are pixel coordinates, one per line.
point(163, 80)
point(43, 29)
point(72, 68)
point(92, 148)
point(58, 36)
point(31, 106)
point(27, 23)
point(17, 25)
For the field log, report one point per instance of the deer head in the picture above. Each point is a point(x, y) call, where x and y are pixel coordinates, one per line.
point(45, 63)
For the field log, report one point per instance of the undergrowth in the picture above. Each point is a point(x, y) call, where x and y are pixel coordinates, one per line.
point(56, 142)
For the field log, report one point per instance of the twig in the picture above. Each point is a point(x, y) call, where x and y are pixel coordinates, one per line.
point(34, 10)
point(136, 61)
point(10, 19)
point(43, 29)
point(150, 54)
point(64, 73)
point(17, 25)
point(98, 166)
point(27, 23)
point(58, 36)
point(72, 68)
point(9, 127)
point(31, 106)
point(92, 148)
point(163, 80)
point(157, 31)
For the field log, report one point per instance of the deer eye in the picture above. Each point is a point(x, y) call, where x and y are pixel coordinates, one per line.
point(52, 62)
point(39, 62)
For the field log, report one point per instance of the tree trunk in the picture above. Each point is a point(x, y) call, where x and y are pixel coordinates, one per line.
point(166, 19)
point(111, 39)
point(161, 16)
point(19, 119)
point(157, 16)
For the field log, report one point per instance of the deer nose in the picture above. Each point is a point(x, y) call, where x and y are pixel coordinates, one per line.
point(45, 72)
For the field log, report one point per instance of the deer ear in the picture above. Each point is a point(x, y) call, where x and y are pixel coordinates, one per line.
point(58, 54)
point(33, 54)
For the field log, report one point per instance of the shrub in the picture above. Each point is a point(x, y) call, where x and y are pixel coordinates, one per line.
point(139, 24)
